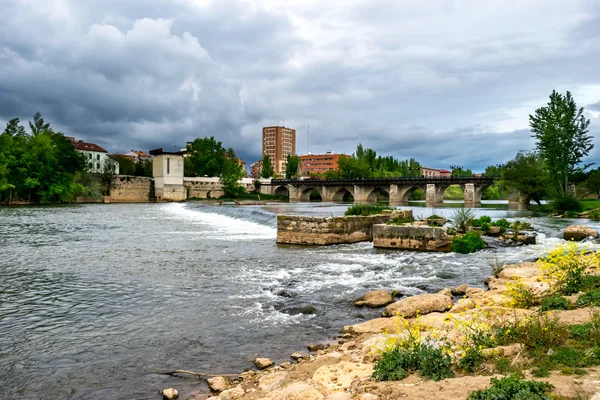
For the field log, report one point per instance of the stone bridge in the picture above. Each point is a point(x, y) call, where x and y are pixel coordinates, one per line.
point(398, 190)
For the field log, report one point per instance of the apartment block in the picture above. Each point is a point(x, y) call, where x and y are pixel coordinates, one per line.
point(278, 142)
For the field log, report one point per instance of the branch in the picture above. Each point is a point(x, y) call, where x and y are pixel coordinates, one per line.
point(199, 374)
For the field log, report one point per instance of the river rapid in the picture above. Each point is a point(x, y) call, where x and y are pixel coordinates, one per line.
point(96, 299)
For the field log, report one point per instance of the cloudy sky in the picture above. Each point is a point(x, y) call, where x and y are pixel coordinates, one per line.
point(444, 81)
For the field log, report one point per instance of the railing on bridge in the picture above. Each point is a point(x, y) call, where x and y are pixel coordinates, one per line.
point(450, 180)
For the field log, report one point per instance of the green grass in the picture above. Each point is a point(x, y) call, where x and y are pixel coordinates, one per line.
point(454, 192)
point(366, 209)
point(589, 204)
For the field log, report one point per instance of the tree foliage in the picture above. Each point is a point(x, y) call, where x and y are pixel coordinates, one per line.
point(231, 174)
point(592, 183)
point(526, 174)
point(461, 172)
point(267, 170)
point(38, 166)
point(293, 167)
point(562, 140)
point(206, 157)
point(366, 164)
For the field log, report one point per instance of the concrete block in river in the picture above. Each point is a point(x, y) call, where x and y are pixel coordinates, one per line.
point(412, 237)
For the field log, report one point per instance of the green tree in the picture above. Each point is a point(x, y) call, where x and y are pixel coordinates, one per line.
point(126, 164)
point(526, 174)
point(292, 167)
point(562, 140)
point(266, 170)
point(461, 172)
point(206, 157)
point(231, 175)
point(592, 183)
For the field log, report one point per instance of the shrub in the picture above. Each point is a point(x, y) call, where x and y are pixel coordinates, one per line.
point(469, 243)
point(513, 388)
point(566, 203)
point(435, 216)
point(486, 218)
point(540, 331)
point(594, 215)
point(472, 360)
point(366, 209)
point(502, 223)
point(400, 221)
point(566, 265)
point(555, 302)
point(396, 364)
point(461, 218)
point(485, 226)
point(591, 298)
point(520, 296)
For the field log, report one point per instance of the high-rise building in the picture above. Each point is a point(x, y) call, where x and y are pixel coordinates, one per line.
point(278, 142)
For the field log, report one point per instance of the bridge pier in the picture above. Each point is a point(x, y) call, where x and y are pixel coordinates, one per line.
point(360, 194)
point(472, 196)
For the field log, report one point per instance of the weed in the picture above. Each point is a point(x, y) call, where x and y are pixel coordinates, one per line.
point(396, 364)
point(541, 372)
point(513, 388)
point(589, 298)
point(472, 360)
point(461, 218)
point(520, 296)
point(555, 302)
point(366, 209)
point(539, 331)
point(469, 243)
point(503, 366)
point(502, 223)
point(594, 215)
point(566, 265)
point(400, 221)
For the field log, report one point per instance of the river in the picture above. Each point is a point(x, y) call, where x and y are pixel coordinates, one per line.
point(96, 299)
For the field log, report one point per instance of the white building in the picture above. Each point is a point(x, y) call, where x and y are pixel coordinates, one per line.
point(96, 158)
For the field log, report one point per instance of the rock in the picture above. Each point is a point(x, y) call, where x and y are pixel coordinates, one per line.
point(232, 394)
point(296, 356)
point(474, 292)
point(462, 305)
point(170, 394)
point(368, 396)
point(276, 381)
point(339, 396)
point(316, 347)
point(446, 292)
point(218, 383)
point(376, 325)
point(286, 364)
point(340, 376)
point(262, 363)
point(421, 304)
point(579, 232)
point(460, 290)
point(526, 239)
point(375, 299)
point(296, 391)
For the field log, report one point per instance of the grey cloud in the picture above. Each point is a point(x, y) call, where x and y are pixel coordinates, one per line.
point(446, 83)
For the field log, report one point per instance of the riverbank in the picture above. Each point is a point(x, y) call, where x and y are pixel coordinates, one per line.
point(472, 326)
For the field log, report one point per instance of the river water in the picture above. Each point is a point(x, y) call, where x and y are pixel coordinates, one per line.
point(96, 299)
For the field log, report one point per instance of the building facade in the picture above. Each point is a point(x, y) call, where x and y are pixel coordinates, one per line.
point(435, 173)
point(255, 169)
point(278, 142)
point(318, 163)
point(96, 158)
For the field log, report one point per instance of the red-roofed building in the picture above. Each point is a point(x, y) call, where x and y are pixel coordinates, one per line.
point(138, 155)
point(96, 158)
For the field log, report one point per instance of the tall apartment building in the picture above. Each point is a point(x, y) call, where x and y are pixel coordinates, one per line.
point(278, 142)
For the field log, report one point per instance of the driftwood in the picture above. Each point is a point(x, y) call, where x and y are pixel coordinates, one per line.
point(198, 374)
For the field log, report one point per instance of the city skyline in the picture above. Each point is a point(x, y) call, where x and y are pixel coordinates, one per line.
point(445, 82)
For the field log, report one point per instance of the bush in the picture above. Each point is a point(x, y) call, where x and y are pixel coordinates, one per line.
point(366, 209)
point(469, 243)
point(461, 218)
point(520, 296)
point(472, 360)
point(397, 363)
point(400, 221)
point(566, 265)
point(513, 388)
point(566, 203)
point(502, 223)
point(594, 215)
point(534, 332)
point(555, 302)
point(591, 298)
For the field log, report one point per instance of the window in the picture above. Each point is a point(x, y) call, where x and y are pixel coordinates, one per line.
point(98, 166)
point(168, 166)
point(90, 165)
point(97, 156)
point(89, 156)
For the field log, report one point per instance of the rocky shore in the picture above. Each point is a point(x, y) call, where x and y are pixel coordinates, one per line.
point(344, 370)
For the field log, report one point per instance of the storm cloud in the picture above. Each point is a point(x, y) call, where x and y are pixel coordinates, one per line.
point(446, 82)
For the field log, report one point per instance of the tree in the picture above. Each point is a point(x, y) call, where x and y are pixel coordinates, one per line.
point(526, 174)
point(292, 167)
point(266, 170)
point(562, 140)
point(460, 172)
point(206, 158)
point(126, 164)
point(592, 183)
point(231, 175)
point(38, 125)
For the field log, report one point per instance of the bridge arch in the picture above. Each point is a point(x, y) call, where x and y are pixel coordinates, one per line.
point(282, 191)
point(307, 192)
point(375, 194)
point(343, 195)
point(479, 189)
point(405, 193)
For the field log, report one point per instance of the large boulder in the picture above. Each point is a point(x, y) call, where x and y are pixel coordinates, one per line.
point(340, 376)
point(421, 304)
point(375, 299)
point(262, 363)
point(232, 394)
point(170, 394)
point(218, 383)
point(296, 391)
point(579, 232)
point(275, 381)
